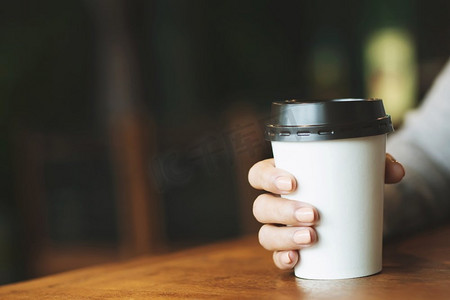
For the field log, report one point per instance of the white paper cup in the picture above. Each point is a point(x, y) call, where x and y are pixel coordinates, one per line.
point(341, 173)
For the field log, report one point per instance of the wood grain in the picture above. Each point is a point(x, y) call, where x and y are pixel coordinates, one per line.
point(415, 268)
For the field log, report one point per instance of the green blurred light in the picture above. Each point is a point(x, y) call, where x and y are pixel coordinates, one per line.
point(391, 70)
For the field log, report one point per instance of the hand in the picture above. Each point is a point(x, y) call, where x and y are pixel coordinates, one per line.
point(276, 212)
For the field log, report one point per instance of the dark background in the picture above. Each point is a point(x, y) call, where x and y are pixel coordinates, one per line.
point(197, 77)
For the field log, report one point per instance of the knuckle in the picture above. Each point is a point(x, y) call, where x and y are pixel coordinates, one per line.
point(258, 206)
point(256, 175)
point(261, 199)
point(277, 260)
point(263, 236)
point(252, 174)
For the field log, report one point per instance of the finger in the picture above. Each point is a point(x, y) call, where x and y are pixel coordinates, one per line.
point(268, 208)
point(285, 260)
point(394, 171)
point(276, 238)
point(264, 176)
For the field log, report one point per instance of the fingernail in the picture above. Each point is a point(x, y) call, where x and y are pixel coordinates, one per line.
point(302, 237)
point(305, 215)
point(292, 256)
point(391, 158)
point(283, 183)
point(286, 258)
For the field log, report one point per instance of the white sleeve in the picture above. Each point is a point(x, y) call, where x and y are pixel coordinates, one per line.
point(422, 198)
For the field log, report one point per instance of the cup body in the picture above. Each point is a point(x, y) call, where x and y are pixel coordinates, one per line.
point(336, 151)
point(344, 180)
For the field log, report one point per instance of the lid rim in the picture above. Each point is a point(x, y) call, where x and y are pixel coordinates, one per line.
point(327, 120)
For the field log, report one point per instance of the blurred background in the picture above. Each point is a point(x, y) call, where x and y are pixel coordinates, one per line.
point(128, 127)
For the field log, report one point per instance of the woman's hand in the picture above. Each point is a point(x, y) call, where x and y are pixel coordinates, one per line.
point(276, 212)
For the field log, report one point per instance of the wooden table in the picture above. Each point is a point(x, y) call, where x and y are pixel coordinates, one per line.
point(415, 268)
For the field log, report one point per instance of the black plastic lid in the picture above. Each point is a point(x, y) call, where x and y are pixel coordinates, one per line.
point(299, 120)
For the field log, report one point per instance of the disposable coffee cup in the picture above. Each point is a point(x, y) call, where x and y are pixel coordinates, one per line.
point(336, 151)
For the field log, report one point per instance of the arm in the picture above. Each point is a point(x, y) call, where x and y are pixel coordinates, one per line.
point(422, 198)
